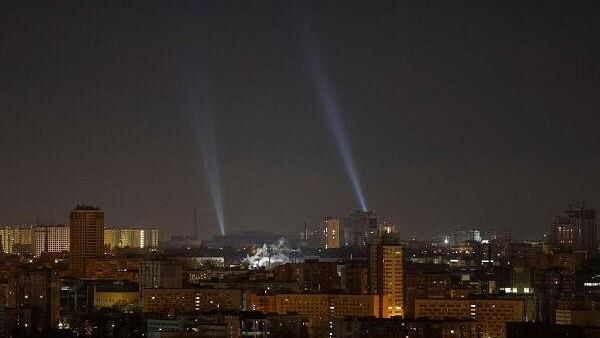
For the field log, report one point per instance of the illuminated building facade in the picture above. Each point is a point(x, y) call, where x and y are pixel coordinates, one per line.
point(130, 238)
point(386, 276)
point(9, 237)
point(116, 295)
point(49, 238)
point(86, 237)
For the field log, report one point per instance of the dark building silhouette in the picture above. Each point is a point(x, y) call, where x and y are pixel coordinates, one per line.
point(425, 281)
point(36, 298)
point(355, 277)
point(86, 236)
point(551, 285)
point(575, 230)
point(522, 330)
point(360, 227)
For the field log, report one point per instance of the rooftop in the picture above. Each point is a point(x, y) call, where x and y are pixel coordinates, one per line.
point(86, 207)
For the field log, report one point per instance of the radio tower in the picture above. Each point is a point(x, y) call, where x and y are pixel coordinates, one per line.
point(196, 224)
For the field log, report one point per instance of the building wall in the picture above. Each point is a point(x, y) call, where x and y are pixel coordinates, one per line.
point(355, 279)
point(113, 268)
point(11, 236)
point(260, 302)
point(207, 300)
point(86, 237)
point(577, 317)
point(331, 233)
point(386, 277)
point(551, 285)
point(110, 299)
point(130, 238)
point(319, 276)
point(36, 296)
point(320, 309)
point(398, 328)
point(425, 284)
point(166, 300)
point(111, 238)
point(160, 274)
point(50, 239)
point(575, 230)
point(360, 228)
point(187, 300)
point(492, 314)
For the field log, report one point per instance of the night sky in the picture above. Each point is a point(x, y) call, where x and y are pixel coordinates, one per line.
point(484, 114)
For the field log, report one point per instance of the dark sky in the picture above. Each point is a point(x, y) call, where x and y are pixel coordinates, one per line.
point(484, 114)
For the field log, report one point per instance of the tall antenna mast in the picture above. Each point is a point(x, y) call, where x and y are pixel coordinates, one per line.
point(196, 224)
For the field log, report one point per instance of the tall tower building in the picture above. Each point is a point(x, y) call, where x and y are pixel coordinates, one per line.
point(86, 236)
point(330, 237)
point(386, 276)
point(49, 238)
point(575, 230)
point(360, 228)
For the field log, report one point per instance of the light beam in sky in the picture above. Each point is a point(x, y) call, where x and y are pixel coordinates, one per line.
point(207, 143)
point(331, 108)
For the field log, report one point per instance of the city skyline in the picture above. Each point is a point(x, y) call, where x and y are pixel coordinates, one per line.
point(298, 229)
point(356, 229)
point(299, 169)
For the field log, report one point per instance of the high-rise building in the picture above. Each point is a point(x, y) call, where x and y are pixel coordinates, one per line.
point(49, 238)
point(86, 236)
point(360, 227)
point(575, 230)
point(330, 237)
point(461, 236)
point(386, 230)
point(386, 276)
point(36, 291)
point(551, 285)
point(130, 238)
point(11, 236)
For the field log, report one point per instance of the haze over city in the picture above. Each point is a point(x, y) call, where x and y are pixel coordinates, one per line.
point(454, 116)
